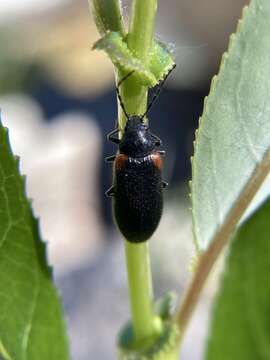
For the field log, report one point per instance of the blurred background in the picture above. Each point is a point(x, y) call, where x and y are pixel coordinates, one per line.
point(57, 97)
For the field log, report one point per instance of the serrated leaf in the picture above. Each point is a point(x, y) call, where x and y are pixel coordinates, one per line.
point(240, 327)
point(160, 60)
point(116, 48)
point(234, 131)
point(31, 323)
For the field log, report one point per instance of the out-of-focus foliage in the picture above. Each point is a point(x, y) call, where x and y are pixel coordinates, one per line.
point(57, 49)
point(16, 73)
point(241, 328)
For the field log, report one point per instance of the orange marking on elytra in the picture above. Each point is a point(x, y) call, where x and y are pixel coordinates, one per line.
point(157, 160)
point(120, 161)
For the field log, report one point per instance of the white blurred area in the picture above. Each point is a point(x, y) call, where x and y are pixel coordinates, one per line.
point(60, 160)
point(13, 9)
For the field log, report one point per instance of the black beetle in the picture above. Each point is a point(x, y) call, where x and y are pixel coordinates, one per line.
point(137, 180)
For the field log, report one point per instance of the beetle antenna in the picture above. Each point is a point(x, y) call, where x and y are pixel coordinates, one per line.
point(159, 88)
point(118, 92)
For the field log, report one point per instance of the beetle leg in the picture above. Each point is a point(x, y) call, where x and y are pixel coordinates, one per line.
point(162, 152)
point(110, 191)
point(157, 140)
point(112, 138)
point(164, 184)
point(110, 158)
point(113, 132)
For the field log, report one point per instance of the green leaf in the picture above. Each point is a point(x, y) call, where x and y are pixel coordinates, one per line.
point(241, 327)
point(116, 48)
point(233, 138)
point(107, 15)
point(31, 323)
point(160, 60)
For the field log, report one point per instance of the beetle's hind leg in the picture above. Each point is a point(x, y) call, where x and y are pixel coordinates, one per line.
point(110, 191)
point(111, 136)
point(162, 152)
point(109, 159)
point(164, 184)
point(158, 141)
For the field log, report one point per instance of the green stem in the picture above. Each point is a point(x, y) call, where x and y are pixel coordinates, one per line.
point(141, 27)
point(140, 290)
point(139, 39)
point(154, 336)
point(134, 96)
point(107, 15)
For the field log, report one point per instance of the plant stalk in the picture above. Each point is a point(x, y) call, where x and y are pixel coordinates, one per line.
point(140, 290)
point(134, 97)
point(139, 39)
point(220, 240)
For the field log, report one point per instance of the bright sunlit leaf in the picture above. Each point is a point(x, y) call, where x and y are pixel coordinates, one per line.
point(234, 132)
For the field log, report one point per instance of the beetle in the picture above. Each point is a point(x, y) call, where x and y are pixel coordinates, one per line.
point(137, 175)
